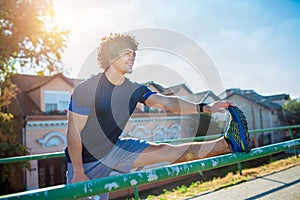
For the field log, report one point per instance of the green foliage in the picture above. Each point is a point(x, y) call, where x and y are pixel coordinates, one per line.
point(28, 39)
point(28, 36)
point(291, 112)
point(9, 147)
point(181, 189)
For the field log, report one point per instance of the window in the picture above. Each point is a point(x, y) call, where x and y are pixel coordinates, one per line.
point(56, 100)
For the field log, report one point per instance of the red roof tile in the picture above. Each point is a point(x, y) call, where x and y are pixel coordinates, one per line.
point(27, 83)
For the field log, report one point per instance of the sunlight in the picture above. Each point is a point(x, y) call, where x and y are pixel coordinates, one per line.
point(61, 17)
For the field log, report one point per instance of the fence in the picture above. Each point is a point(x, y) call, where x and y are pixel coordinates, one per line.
point(135, 179)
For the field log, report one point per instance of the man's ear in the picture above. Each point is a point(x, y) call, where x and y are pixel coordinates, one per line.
point(110, 61)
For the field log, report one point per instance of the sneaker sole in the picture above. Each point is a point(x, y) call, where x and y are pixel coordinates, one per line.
point(239, 117)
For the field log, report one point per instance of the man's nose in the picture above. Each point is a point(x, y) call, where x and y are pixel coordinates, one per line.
point(132, 57)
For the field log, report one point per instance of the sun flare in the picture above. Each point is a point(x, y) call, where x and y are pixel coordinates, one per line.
point(61, 14)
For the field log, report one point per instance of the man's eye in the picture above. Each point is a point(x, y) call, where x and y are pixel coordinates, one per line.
point(129, 53)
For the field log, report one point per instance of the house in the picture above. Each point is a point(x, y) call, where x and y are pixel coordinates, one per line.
point(40, 119)
point(261, 112)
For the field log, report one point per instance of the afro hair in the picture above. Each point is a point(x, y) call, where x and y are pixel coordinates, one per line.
point(112, 46)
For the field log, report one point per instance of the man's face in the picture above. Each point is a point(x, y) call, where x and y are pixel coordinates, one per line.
point(124, 62)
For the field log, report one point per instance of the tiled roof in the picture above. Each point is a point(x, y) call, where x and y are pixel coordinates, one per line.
point(278, 97)
point(202, 96)
point(45, 79)
point(176, 88)
point(250, 95)
point(170, 90)
point(27, 83)
point(160, 88)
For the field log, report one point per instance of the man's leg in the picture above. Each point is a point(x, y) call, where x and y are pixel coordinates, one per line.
point(156, 153)
point(93, 170)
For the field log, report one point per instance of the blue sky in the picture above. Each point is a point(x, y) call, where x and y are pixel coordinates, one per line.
point(254, 44)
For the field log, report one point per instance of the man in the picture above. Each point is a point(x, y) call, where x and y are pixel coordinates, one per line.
point(100, 108)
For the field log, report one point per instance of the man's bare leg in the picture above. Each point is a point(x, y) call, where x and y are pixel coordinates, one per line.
point(156, 153)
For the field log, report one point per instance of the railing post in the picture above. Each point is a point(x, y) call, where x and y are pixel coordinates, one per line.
point(201, 174)
point(239, 165)
point(136, 192)
point(292, 137)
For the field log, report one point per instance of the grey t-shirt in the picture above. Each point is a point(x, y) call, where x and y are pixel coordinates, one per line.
point(108, 108)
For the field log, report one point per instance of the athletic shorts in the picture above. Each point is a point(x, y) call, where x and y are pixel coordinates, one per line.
point(120, 159)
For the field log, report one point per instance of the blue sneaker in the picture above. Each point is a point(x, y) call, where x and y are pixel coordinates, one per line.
point(237, 135)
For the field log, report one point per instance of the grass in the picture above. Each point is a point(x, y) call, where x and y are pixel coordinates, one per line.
point(195, 188)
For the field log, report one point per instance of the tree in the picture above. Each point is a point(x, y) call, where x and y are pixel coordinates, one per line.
point(28, 39)
point(291, 112)
point(28, 36)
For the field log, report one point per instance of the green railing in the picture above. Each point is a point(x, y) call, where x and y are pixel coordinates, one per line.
point(32, 157)
point(135, 179)
point(123, 181)
point(200, 138)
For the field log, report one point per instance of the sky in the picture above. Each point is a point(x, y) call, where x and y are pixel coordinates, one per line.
point(248, 44)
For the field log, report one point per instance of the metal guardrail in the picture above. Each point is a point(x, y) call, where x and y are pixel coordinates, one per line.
point(32, 157)
point(275, 128)
point(134, 179)
point(200, 138)
point(123, 181)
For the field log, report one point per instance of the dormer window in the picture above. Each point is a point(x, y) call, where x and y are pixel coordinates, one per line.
point(56, 101)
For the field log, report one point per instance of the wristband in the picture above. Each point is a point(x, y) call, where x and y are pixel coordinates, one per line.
point(200, 107)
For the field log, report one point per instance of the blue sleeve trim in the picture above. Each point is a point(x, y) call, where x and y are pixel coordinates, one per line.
point(78, 109)
point(148, 94)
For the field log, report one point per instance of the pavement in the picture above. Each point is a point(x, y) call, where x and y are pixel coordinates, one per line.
point(282, 185)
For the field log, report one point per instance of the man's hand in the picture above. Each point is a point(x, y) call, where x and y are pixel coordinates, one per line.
point(79, 177)
point(218, 106)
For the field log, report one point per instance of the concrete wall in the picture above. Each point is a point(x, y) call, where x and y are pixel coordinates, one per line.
point(160, 126)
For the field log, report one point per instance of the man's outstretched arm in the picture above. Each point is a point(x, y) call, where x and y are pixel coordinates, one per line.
point(181, 106)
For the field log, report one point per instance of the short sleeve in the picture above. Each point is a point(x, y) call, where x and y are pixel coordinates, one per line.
point(80, 102)
point(82, 99)
point(144, 93)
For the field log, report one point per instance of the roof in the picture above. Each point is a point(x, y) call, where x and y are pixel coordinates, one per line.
point(202, 96)
point(170, 90)
point(176, 88)
point(160, 88)
point(278, 97)
point(27, 83)
point(43, 80)
point(261, 100)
